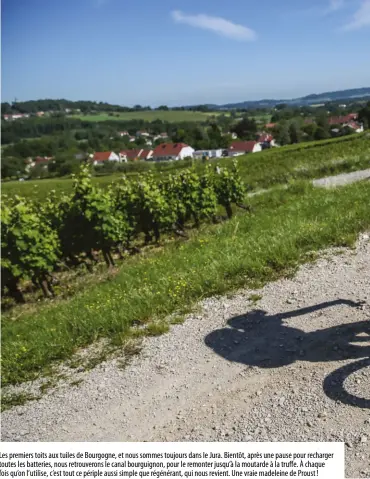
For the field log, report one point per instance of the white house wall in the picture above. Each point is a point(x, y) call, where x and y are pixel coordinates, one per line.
point(186, 151)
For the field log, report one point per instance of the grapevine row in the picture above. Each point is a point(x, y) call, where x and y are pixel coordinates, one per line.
point(40, 239)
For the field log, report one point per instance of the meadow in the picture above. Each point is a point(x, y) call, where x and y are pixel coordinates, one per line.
point(163, 115)
point(150, 115)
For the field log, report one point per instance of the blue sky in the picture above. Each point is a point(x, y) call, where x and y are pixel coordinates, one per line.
point(178, 52)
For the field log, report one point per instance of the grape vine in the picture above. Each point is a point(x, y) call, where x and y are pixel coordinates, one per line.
point(40, 239)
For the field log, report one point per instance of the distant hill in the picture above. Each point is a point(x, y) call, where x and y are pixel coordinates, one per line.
point(352, 94)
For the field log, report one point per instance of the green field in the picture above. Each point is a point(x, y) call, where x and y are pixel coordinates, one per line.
point(260, 170)
point(151, 115)
point(170, 116)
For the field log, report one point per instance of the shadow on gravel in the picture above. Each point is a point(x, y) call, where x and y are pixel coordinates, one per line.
point(259, 339)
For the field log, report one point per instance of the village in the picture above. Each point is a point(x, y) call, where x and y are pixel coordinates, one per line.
point(166, 150)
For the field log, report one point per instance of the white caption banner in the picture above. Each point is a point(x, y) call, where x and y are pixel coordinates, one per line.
point(184, 460)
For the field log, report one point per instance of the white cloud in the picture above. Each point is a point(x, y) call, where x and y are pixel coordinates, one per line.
point(361, 17)
point(218, 25)
point(335, 5)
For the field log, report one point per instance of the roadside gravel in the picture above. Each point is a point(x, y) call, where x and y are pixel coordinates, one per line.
point(237, 370)
point(343, 179)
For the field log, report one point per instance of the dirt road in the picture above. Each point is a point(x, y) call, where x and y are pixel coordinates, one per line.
point(240, 369)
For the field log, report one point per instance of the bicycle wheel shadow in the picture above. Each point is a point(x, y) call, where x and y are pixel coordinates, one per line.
point(262, 340)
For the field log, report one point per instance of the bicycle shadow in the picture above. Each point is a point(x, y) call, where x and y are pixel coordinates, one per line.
point(262, 340)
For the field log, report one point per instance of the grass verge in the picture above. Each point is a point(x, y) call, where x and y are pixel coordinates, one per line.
point(287, 226)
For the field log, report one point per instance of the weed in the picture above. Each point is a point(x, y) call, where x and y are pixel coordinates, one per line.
point(254, 298)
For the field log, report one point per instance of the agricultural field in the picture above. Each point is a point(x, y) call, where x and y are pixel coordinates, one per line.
point(285, 229)
point(151, 115)
point(259, 170)
point(169, 116)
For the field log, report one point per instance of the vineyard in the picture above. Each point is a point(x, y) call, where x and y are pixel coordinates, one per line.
point(259, 170)
point(40, 239)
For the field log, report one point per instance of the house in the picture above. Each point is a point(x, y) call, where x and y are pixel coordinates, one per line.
point(131, 139)
point(341, 120)
point(358, 127)
point(40, 113)
point(172, 151)
point(135, 154)
point(142, 133)
point(38, 161)
point(81, 156)
point(208, 153)
point(270, 125)
point(15, 116)
point(123, 133)
point(266, 140)
point(100, 157)
point(242, 147)
point(161, 136)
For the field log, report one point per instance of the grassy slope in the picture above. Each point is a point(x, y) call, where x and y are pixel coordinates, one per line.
point(261, 170)
point(286, 226)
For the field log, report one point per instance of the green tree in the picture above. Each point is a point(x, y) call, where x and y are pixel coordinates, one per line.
point(12, 166)
point(321, 133)
point(282, 134)
point(246, 129)
point(295, 132)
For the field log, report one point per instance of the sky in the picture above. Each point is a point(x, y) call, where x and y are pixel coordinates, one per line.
point(182, 52)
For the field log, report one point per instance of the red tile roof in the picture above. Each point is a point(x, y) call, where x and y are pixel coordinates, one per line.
point(339, 120)
point(169, 149)
point(353, 124)
point(244, 146)
point(265, 138)
point(135, 153)
point(270, 125)
point(102, 155)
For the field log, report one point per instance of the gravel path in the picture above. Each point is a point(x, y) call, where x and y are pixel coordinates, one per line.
point(236, 371)
point(344, 179)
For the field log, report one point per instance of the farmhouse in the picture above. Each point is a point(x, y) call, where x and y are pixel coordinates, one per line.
point(341, 120)
point(101, 156)
point(172, 151)
point(135, 154)
point(242, 147)
point(358, 127)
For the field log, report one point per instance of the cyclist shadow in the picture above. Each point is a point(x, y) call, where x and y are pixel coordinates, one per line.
point(259, 339)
